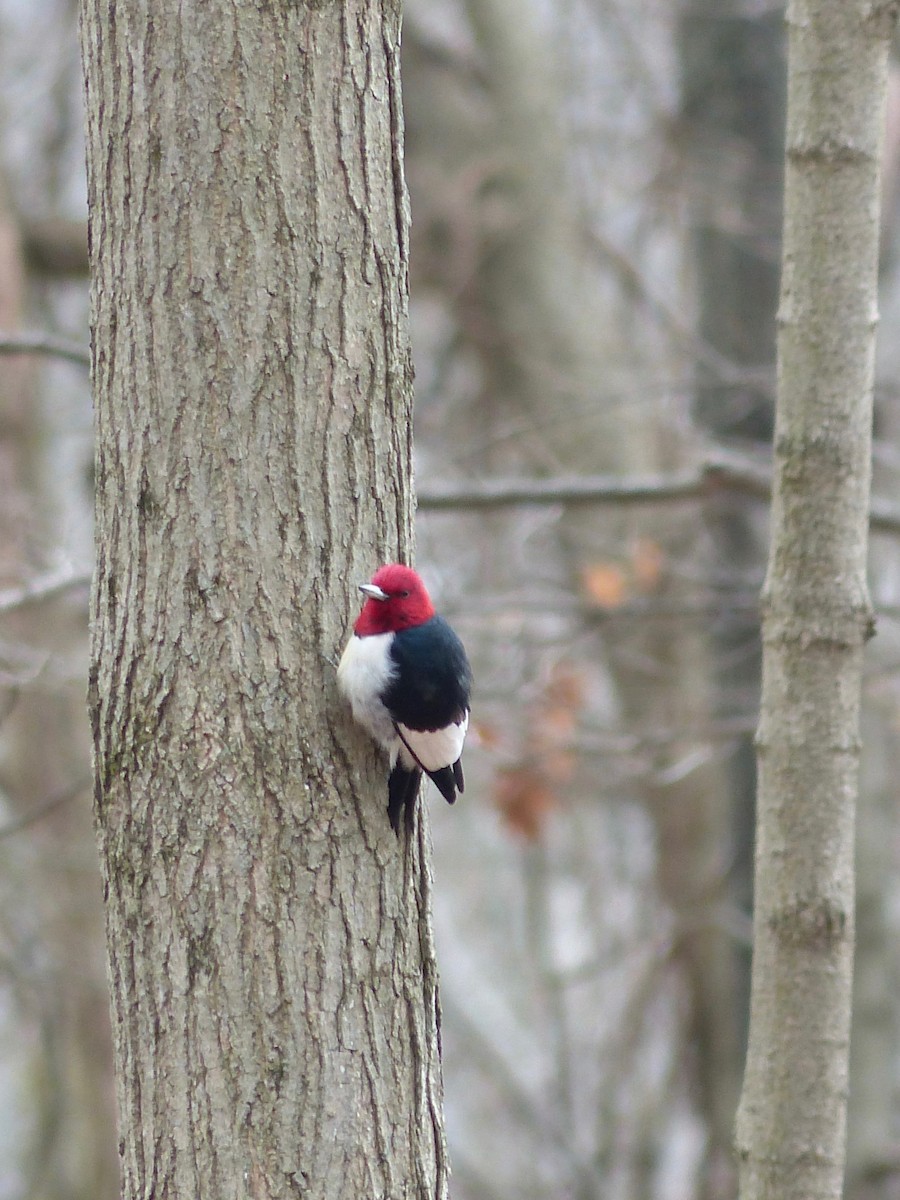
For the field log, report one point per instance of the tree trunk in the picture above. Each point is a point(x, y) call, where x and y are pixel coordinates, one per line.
point(274, 986)
point(559, 348)
point(816, 609)
point(733, 83)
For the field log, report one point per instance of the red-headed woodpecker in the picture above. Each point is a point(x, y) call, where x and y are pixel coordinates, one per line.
point(407, 678)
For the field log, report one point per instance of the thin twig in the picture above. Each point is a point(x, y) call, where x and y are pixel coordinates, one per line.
point(43, 810)
point(40, 590)
point(707, 356)
point(44, 343)
point(884, 517)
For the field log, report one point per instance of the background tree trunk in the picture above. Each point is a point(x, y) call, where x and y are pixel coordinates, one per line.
point(816, 609)
point(275, 1000)
point(733, 82)
point(556, 349)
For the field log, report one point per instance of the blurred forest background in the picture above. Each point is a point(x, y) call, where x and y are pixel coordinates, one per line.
point(595, 192)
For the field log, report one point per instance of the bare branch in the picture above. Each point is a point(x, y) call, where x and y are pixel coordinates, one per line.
point(43, 810)
point(40, 590)
point(602, 489)
point(44, 343)
point(56, 247)
point(586, 489)
point(720, 472)
point(723, 369)
point(884, 517)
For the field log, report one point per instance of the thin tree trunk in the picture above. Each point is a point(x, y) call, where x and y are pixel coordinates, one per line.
point(274, 986)
point(816, 609)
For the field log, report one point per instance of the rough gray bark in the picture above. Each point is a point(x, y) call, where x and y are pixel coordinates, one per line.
point(274, 984)
point(816, 610)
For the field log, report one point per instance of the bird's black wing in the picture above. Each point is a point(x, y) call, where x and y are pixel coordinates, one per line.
point(433, 679)
point(430, 689)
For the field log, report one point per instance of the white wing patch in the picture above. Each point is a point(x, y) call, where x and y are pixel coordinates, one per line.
point(434, 748)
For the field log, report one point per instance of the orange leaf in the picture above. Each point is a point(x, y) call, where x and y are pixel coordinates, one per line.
point(556, 724)
point(523, 800)
point(605, 584)
point(565, 686)
point(559, 765)
point(486, 735)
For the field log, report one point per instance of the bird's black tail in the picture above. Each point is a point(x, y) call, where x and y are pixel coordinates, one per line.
point(403, 788)
point(448, 779)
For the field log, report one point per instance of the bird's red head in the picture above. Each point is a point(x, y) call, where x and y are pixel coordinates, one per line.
point(395, 599)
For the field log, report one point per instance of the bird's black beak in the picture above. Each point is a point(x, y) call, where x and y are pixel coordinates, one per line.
point(372, 591)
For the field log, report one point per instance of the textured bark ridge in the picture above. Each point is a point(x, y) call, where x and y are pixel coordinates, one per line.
point(816, 609)
point(274, 984)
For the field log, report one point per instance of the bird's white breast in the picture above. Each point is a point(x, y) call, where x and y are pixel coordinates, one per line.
point(363, 675)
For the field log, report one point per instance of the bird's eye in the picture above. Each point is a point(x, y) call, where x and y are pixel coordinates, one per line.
point(404, 595)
